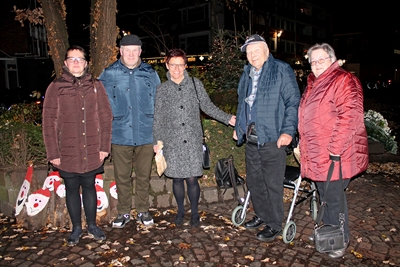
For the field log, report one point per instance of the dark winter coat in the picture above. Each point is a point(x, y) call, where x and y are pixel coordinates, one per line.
point(76, 122)
point(177, 123)
point(331, 120)
point(277, 101)
point(131, 93)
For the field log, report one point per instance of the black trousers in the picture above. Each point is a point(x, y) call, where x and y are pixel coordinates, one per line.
point(332, 198)
point(265, 172)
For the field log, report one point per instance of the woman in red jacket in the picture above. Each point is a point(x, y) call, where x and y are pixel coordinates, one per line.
point(77, 135)
point(331, 122)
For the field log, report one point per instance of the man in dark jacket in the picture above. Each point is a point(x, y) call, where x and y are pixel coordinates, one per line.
point(131, 87)
point(268, 99)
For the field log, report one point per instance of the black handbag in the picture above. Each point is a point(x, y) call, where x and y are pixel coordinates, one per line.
point(330, 237)
point(206, 156)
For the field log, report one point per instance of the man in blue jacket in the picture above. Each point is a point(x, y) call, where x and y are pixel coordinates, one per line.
point(131, 88)
point(266, 119)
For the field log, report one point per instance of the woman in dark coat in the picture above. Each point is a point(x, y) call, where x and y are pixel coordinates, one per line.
point(77, 135)
point(177, 124)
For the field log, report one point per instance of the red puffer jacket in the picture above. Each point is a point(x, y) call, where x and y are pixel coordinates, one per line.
point(76, 122)
point(331, 120)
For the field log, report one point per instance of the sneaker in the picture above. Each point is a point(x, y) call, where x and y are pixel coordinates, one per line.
point(73, 239)
point(96, 233)
point(121, 220)
point(145, 218)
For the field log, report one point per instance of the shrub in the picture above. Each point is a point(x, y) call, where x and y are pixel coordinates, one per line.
point(21, 138)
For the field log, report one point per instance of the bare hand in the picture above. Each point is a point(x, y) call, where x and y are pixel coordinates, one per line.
point(232, 121)
point(55, 162)
point(103, 155)
point(155, 149)
point(234, 136)
point(284, 140)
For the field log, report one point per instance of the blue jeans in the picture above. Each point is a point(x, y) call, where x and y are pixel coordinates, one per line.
point(265, 172)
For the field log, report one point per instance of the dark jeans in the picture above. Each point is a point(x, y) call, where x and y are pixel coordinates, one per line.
point(265, 172)
point(332, 199)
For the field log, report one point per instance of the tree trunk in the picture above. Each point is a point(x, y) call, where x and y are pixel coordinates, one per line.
point(57, 35)
point(103, 35)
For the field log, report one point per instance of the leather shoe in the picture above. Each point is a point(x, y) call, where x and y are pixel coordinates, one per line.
point(336, 254)
point(254, 223)
point(268, 234)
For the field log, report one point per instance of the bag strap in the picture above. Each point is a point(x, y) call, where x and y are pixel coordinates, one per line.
point(197, 95)
point(323, 203)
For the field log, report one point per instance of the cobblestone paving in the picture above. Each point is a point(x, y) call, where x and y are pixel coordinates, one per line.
point(374, 208)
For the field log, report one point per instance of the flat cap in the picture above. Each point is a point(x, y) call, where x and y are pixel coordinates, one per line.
point(130, 39)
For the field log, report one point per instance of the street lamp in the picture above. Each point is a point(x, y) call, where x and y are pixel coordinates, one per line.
point(277, 36)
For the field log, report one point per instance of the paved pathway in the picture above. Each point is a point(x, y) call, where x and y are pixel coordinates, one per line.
point(374, 208)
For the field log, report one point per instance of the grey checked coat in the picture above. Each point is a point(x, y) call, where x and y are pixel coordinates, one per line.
point(177, 123)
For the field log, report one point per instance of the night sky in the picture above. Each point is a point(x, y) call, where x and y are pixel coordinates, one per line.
point(381, 17)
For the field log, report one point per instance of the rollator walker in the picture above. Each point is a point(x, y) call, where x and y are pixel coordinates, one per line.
point(303, 189)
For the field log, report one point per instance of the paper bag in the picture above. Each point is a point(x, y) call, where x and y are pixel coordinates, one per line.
point(160, 160)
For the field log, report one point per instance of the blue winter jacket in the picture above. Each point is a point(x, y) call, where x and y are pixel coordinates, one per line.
point(131, 93)
point(277, 101)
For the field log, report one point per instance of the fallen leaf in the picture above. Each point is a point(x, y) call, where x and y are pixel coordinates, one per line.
point(130, 241)
point(184, 245)
point(356, 254)
point(105, 246)
point(265, 260)
point(25, 248)
point(249, 257)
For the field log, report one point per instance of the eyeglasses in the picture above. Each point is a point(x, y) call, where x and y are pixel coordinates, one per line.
point(180, 66)
point(73, 59)
point(319, 61)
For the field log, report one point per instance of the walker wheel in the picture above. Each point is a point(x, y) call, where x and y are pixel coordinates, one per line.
point(289, 232)
point(314, 208)
point(238, 215)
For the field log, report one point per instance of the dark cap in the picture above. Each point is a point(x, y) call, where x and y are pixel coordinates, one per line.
point(255, 38)
point(130, 39)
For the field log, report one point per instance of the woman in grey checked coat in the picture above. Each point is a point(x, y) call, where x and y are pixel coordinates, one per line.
point(177, 124)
